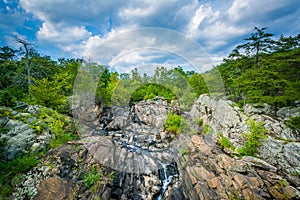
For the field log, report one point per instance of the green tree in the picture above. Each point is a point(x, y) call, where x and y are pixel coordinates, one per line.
point(259, 42)
point(7, 53)
point(51, 93)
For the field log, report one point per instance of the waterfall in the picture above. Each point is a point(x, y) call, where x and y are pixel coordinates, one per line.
point(166, 174)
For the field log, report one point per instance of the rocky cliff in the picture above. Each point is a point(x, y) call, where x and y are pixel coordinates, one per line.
point(126, 153)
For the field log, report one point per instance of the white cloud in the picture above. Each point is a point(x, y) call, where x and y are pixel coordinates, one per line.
point(61, 33)
point(83, 28)
point(132, 48)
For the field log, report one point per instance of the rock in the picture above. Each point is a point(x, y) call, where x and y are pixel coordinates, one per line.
point(287, 112)
point(200, 143)
point(264, 109)
point(250, 194)
point(18, 139)
point(214, 183)
point(241, 181)
point(55, 188)
point(203, 174)
point(224, 161)
point(256, 162)
point(291, 192)
point(155, 189)
point(41, 142)
point(3, 121)
point(32, 109)
point(239, 166)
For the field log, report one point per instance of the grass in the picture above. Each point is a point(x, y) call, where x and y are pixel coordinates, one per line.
point(11, 169)
point(95, 178)
point(207, 129)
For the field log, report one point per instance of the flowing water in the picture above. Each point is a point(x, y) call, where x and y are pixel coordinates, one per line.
point(166, 174)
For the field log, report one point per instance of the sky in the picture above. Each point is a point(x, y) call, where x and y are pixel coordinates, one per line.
point(140, 33)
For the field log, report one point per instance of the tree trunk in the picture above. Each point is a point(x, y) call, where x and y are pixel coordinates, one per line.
point(256, 56)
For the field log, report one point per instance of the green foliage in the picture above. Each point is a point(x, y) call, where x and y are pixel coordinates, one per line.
point(253, 138)
point(91, 178)
point(198, 84)
point(95, 178)
point(150, 91)
point(275, 81)
point(259, 41)
point(51, 93)
point(61, 139)
point(294, 122)
point(12, 168)
point(176, 124)
point(55, 121)
point(199, 121)
point(224, 142)
point(7, 98)
point(57, 124)
point(183, 152)
point(207, 129)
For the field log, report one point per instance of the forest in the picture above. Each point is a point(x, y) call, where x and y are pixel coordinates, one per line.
point(260, 70)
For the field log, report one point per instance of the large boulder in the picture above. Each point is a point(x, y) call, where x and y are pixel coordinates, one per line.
point(17, 140)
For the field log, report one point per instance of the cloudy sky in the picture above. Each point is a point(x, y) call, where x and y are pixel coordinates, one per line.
point(124, 34)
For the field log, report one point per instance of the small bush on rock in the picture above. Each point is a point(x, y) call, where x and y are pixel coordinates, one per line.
point(253, 138)
point(224, 142)
point(175, 123)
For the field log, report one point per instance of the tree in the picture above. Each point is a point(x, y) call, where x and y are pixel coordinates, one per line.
point(287, 43)
point(51, 93)
point(7, 53)
point(259, 41)
point(263, 85)
point(28, 50)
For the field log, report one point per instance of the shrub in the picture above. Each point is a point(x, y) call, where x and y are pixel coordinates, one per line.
point(199, 121)
point(12, 168)
point(253, 138)
point(95, 178)
point(7, 98)
point(58, 125)
point(91, 178)
point(294, 122)
point(224, 142)
point(207, 129)
point(150, 91)
point(175, 123)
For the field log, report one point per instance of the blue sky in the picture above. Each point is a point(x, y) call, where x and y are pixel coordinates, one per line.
point(92, 29)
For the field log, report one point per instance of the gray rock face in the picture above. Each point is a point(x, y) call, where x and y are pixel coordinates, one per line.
point(133, 144)
point(17, 140)
point(227, 119)
point(17, 136)
point(287, 112)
